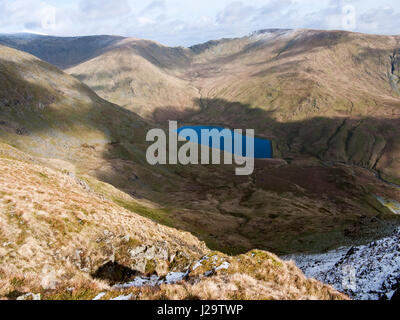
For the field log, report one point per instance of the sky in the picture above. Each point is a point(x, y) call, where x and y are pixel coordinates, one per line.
point(188, 22)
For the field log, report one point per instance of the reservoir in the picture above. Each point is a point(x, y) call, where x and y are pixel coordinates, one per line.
point(262, 147)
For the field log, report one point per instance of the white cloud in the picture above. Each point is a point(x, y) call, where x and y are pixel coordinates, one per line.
point(235, 12)
point(186, 22)
point(104, 9)
point(154, 7)
point(143, 21)
point(380, 20)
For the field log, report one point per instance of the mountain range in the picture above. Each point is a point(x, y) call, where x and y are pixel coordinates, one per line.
point(74, 113)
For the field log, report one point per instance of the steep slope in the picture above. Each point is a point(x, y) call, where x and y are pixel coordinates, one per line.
point(371, 270)
point(54, 116)
point(325, 94)
point(60, 239)
point(139, 75)
point(133, 73)
point(280, 208)
point(316, 199)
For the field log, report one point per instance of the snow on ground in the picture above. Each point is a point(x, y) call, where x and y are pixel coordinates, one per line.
point(174, 277)
point(171, 278)
point(224, 266)
point(199, 263)
point(123, 298)
point(368, 272)
point(99, 296)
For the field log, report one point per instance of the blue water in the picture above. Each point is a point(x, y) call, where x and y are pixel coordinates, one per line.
point(262, 147)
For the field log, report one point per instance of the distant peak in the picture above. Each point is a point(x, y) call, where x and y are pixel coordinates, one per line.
point(265, 31)
point(24, 35)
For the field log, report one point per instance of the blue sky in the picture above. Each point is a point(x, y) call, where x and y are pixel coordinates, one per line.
point(187, 22)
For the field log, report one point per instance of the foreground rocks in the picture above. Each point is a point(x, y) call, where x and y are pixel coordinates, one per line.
point(368, 272)
point(61, 240)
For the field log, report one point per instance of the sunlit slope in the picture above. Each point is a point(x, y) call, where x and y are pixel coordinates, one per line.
point(63, 240)
point(52, 115)
point(329, 94)
point(287, 206)
point(333, 95)
point(140, 76)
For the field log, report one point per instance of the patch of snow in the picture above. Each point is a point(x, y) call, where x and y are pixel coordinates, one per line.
point(29, 296)
point(268, 35)
point(223, 266)
point(123, 298)
point(368, 272)
point(99, 296)
point(199, 263)
point(139, 282)
point(174, 277)
point(171, 278)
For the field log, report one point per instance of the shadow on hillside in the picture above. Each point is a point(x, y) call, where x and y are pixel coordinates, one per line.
point(371, 143)
point(114, 273)
point(358, 141)
point(70, 123)
point(30, 112)
point(64, 52)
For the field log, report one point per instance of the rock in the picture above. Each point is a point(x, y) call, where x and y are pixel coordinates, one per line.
point(49, 279)
point(107, 233)
point(137, 251)
point(351, 251)
point(157, 253)
point(162, 268)
point(134, 177)
point(150, 253)
point(140, 265)
point(49, 282)
point(21, 131)
point(84, 185)
point(365, 272)
point(162, 252)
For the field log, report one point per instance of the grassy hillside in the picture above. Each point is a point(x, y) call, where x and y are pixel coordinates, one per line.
point(138, 75)
point(332, 95)
point(62, 240)
point(285, 207)
point(52, 115)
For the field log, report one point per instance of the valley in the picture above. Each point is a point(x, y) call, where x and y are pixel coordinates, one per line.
point(79, 111)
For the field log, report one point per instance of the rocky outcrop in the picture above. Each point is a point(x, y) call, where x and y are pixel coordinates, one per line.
point(367, 272)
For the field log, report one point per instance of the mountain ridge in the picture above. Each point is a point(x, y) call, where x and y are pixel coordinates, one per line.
point(318, 193)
